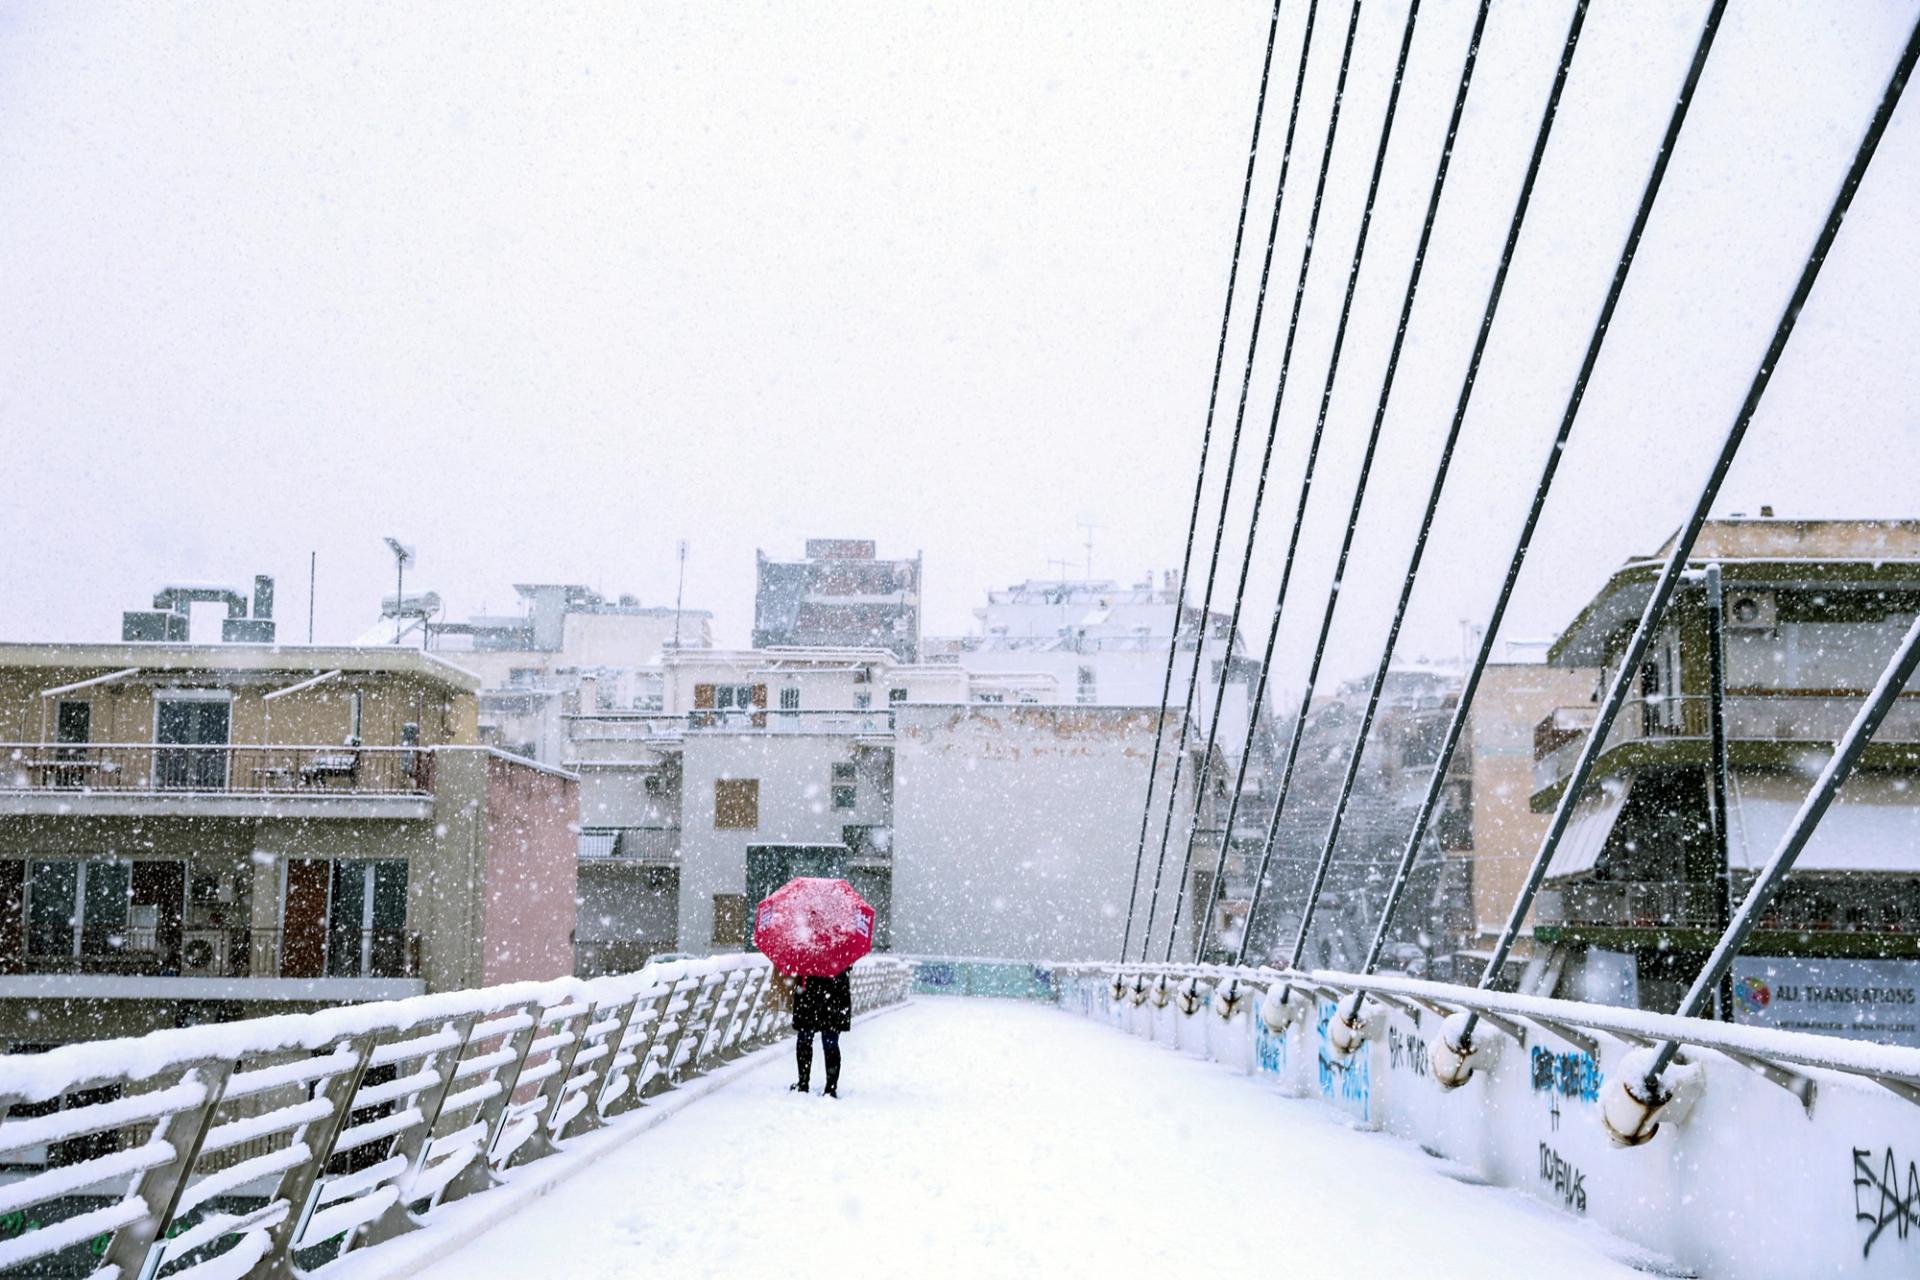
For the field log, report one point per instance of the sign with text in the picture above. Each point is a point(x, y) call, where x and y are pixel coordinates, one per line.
point(1876, 1000)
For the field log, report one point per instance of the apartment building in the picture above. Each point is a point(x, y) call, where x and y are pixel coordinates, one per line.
point(1003, 823)
point(567, 643)
point(200, 832)
point(839, 594)
point(1813, 611)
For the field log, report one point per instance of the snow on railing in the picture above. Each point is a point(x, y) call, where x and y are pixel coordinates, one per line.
point(1821, 1129)
point(246, 1148)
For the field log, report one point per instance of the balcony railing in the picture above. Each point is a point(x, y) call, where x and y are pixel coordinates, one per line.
point(1774, 717)
point(649, 844)
point(1809, 906)
point(155, 768)
point(203, 952)
point(622, 726)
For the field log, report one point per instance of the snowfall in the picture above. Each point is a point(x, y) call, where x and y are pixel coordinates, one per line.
point(993, 1138)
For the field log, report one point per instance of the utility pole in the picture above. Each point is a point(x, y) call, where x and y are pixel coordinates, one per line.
point(1717, 777)
point(679, 592)
point(313, 564)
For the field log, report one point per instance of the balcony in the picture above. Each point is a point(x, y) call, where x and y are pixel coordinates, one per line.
point(213, 781)
point(1786, 718)
point(630, 726)
point(218, 963)
point(630, 844)
point(1809, 908)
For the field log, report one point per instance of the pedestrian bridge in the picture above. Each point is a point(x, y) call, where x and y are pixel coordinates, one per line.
point(519, 1132)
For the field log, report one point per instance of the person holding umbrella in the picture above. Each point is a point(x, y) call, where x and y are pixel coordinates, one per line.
point(813, 929)
point(824, 1005)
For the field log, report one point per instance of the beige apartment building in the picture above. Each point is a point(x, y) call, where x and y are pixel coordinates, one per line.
point(193, 832)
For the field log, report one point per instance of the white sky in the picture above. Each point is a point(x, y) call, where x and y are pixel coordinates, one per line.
point(544, 293)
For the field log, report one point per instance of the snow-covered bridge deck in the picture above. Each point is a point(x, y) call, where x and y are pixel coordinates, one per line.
point(992, 1138)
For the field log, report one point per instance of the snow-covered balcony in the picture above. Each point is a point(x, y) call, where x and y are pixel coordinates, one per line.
point(1762, 729)
point(144, 779)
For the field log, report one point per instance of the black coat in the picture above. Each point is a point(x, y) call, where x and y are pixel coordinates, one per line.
point(823, 1004)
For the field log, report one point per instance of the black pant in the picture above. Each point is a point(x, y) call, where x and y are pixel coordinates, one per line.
point(829, 1049)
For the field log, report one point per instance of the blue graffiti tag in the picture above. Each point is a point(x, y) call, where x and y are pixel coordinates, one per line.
point(1348, 1081)
point(1570, 1075)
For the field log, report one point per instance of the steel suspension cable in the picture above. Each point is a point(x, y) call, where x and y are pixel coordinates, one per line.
point(1326, 397)
point(1200, 475)
point(1239, 421)
point(1456, 725)
point(1541, 136)
point(1393, 362)
point(1675, 567)
point(1286, 364)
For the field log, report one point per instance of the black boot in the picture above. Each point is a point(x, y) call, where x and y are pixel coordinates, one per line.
point(803, 1059)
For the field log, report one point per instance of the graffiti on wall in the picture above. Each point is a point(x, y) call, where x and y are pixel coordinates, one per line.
point(1883, 1198)
point(1406, 1051)
point(1269, 1048)
point(1348, 1081)
point(1572, 1074)
point(1569, 1183)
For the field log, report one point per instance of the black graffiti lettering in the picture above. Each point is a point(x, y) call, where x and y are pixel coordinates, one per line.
point(1406, 1051)
point(1878, 1201)
point(1569, 1183)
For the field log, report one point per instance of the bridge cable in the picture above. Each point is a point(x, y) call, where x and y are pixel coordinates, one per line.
point(1676, 564)
point(1326, 399)
point(1386, 390)
point(1259, 311)
point(1456, 725)
point(1199, 478)
point(1544, 132)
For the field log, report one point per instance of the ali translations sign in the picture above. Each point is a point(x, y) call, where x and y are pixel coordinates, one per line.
point(1876, 1000)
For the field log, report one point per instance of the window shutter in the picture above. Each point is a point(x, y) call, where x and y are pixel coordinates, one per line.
point(703, 697)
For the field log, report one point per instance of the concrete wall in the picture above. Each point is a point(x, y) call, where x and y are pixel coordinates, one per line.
point(528, 911)
point(1506, 833)
point(1017, 827)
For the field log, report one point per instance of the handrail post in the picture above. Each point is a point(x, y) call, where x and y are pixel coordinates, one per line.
point(139, 1248)
point(479, 1175)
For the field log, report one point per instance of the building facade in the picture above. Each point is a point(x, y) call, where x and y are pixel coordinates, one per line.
point(203, 832)
point(1813, 612)
point(838, 595)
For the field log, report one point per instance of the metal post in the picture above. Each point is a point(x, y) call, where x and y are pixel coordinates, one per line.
point(133, 1247)
point(313, 566)
point(1845, 756)
point(1717, 776)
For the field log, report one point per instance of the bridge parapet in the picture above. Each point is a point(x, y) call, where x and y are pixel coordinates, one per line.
point(267, 1147)
point(1783, 1154)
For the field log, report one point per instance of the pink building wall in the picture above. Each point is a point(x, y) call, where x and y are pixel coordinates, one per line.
point(531, 845)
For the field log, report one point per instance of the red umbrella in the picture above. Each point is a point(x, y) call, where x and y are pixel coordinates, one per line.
point(813, 927)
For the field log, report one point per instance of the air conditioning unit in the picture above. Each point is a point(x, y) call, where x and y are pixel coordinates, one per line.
point(1752, 610)
point(204, 955)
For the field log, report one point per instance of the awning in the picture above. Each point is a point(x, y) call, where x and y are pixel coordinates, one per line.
point(1873, 825)
point(597, 844)
point(1587, 831)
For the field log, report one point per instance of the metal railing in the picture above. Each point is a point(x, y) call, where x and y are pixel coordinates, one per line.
point(623, 726)
point(649, 844)
point(282, 1143)
point(222, 952)
point(150, 768)
point(1777, 1055)
point(1772, 717)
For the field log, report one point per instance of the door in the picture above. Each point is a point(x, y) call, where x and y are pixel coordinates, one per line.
point(366, 923)
point(159, 904)
point(13, 906)
point(198, 723)
point(303, 942)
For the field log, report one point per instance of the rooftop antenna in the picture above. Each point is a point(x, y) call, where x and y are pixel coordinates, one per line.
point(1090, 526)
point(402, 557)
point(313, 564)
point(679, 592)
point(1059, 566)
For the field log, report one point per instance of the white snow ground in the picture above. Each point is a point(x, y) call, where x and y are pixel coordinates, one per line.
point(986, 1138)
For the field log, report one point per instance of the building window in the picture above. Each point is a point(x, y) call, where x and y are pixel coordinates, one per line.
point(862, 701)
point(896, 696)
point(846, 785)
point(736, 804)
point(524, 678)
point(728, 696)
point(74, 723)
point(1085, 685)
point(790, 699)
point(78, 908)
point(729, 919)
